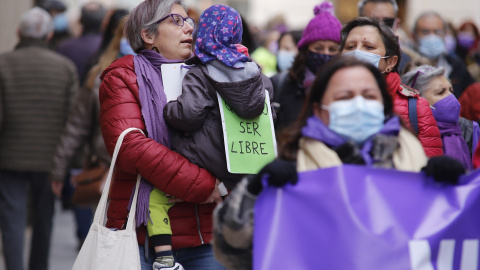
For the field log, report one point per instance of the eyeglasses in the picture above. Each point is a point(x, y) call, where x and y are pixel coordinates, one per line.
point(389, 21)
point(178, 20)
point(426, 32)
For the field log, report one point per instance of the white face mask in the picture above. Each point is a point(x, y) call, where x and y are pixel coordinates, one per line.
point(366, 57)
point(356, 119)
point(285, 59)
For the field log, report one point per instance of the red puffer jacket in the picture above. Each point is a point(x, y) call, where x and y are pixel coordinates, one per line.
point(170, 172)
point(428, 132)
point(470, 102)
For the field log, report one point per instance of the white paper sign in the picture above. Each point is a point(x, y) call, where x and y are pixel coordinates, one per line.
point(172, 77)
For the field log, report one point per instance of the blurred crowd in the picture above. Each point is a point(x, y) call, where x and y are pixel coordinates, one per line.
point(50, 132)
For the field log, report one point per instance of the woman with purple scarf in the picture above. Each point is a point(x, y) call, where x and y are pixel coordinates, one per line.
point(348, 118)
point(459, 135)
point(132, 95)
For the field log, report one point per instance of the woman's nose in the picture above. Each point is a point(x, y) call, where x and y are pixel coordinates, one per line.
point(187, 28)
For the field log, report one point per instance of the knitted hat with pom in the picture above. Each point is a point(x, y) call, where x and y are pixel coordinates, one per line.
point(323, 27)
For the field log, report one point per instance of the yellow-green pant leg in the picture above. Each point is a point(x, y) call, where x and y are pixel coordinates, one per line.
point(159, 207)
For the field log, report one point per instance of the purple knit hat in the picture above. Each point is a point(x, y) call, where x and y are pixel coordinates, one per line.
point(323, 27)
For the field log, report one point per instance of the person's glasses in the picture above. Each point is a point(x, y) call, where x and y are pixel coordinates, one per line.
point(426, 32)
point(389, 22)
point(178, 20)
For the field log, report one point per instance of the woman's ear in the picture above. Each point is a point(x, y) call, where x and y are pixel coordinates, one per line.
point(391, 62)
point(146, 37)
point(321, 113)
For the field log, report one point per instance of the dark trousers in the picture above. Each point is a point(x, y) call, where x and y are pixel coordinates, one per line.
point(14, 196)
point(83, 215)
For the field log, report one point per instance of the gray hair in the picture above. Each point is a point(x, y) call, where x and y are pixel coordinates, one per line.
point(145, 17)
point(362, 3)
point(420, 77)
point(35, 23)
point(428, 14)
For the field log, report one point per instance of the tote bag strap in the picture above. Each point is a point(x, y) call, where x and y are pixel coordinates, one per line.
point(102, 205)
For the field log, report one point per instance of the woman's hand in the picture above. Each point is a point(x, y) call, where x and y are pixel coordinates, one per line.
point(214, 197)
point(280, 172)
point(57, 188)
point(444, 169)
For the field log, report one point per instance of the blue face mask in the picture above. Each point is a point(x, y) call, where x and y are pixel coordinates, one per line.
point(125, 48)
point(431, 46)
point(356, 119)
point(285, 59)
point(366, 57)
point(316, 60)
point(60, 23)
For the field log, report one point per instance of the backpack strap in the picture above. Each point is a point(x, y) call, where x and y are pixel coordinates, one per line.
point(412, 114)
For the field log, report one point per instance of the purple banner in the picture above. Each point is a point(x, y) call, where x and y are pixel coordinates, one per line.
point(353, 217)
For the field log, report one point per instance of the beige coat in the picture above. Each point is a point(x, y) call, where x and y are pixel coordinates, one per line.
point(314, 154)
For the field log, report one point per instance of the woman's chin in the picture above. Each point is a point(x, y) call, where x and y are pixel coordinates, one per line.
point(185, 54)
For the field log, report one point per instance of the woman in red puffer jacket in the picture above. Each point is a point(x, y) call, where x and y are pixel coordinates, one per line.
point(131, 95)
point(372, 41)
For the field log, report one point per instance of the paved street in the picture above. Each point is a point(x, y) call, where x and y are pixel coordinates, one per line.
point(64, 246)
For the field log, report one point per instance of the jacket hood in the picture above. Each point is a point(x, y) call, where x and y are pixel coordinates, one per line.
point(394, 86)
point(242, 89)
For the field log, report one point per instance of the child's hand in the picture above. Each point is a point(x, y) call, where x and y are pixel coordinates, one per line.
point(173, 199)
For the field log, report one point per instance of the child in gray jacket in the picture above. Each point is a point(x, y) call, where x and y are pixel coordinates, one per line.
point(219, 67)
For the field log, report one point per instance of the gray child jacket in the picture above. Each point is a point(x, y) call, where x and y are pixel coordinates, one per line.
point(195, 115)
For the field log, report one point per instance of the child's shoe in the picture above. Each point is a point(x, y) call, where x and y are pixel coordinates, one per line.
point(166, 263)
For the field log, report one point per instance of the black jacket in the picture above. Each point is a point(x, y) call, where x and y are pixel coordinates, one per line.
point(288, 99)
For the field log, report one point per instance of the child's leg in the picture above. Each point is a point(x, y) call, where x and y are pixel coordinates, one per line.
point(159, 230)
point(158, 227)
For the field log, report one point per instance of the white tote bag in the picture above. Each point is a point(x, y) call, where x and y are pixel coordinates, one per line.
point(103, 248)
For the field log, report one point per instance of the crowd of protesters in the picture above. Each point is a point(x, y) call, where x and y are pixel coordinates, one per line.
point(351, 93)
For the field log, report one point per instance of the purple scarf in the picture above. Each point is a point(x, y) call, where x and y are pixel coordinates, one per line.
point(446, 113)
point(152, 100)
point(317, 130)
point(220, 28)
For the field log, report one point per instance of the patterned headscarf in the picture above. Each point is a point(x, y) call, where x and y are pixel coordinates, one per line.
point(220, 28)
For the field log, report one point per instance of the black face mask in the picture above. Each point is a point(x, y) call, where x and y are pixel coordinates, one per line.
point(316, 60)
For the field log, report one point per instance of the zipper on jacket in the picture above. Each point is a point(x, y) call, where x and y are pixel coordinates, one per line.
point(198, 224)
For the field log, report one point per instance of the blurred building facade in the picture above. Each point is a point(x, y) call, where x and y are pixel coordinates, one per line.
point(296, 14)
